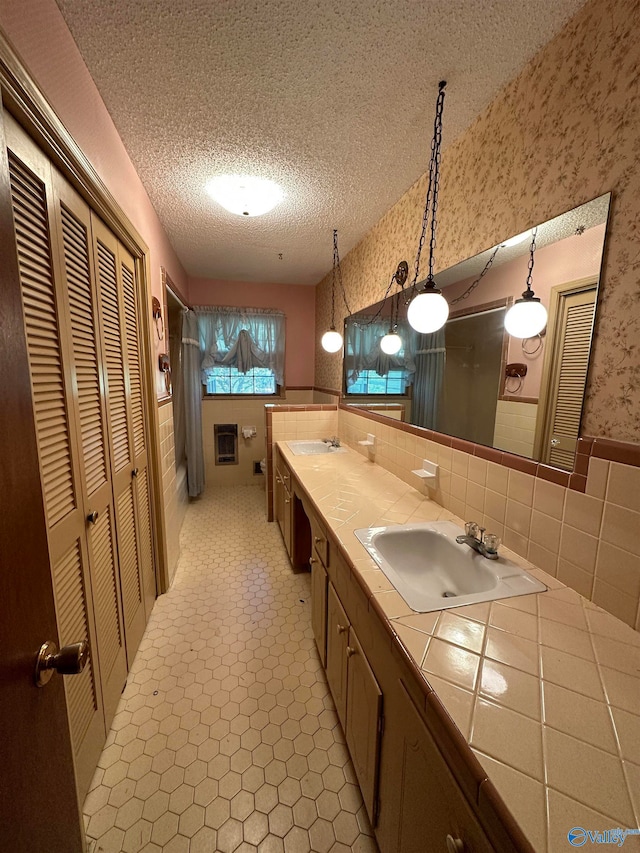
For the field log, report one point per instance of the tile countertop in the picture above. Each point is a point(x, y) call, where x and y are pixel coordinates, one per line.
point(545, 687)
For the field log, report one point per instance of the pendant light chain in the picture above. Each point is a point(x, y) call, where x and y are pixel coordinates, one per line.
point(336, 263)
point(474, 284)
point(431, 204)
point(532, 249)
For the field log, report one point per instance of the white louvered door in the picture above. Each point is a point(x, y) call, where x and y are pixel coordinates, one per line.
point(53, 390)
point(137, 430)
point(79, 294)
point(116, 280)
point(568, 376)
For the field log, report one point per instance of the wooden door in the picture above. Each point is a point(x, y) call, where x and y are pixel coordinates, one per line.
point(38, 807)
point(65, 382)
point(364, 723)
point(571, 315)
point(337, 637)
point(124, 407)
point(431, 805)
point(319, 606)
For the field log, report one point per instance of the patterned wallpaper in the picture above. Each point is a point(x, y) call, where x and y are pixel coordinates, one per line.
point(564, 131)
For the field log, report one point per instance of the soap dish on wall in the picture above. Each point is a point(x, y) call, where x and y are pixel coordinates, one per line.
point(428, 473)
point(369, 442)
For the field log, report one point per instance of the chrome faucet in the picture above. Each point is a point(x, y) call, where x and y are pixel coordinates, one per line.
point(476, 538)
point(332, 442)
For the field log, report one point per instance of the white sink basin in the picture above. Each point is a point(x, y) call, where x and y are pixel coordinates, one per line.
point(312, 447)
point(431, 571)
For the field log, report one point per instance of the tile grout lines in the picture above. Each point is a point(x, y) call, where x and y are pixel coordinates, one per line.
point(226, 737)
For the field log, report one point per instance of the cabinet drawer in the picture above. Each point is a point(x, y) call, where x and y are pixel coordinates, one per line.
point(319, 540)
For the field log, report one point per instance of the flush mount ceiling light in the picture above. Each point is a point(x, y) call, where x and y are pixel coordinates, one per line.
point(332, 340)
point(428, 310)
point(245, 195)
point(527, 316)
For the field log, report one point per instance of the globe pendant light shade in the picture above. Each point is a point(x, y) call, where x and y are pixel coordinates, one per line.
point(391, 343)
point(526, 317)
point(428, 311)
point(331, 341)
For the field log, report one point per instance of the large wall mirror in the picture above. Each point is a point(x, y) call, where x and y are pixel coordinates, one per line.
point(471, 379)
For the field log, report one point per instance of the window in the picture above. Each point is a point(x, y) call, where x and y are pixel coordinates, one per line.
point(368, 370)
point(228, 380)
point(242, 350)
point(370, 382)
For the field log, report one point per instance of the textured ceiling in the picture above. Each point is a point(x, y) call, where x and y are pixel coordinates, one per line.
point(333, 99)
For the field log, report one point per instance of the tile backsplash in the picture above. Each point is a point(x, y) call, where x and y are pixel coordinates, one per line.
point(589, 540)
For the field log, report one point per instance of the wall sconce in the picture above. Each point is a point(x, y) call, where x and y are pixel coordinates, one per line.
point(428, 310)
point(527, 317)
point(332, 340)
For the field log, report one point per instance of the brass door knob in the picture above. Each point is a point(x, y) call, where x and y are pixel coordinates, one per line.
point(92, 517)
point(454, 845)
point(134, 473)
point(70, 660)
point(341, 629)
point(350, 651)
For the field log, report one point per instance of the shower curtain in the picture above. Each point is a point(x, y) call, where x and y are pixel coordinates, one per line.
point(192, 390)
point(430, 360)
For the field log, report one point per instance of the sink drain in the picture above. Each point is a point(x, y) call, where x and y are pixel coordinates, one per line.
point(448, 594)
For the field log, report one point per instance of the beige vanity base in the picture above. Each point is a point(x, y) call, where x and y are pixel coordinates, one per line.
point(443, 758)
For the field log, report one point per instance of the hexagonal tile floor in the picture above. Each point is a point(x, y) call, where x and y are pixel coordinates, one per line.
point(226, 737)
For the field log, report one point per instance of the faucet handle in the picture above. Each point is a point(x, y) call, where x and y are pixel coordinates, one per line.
point(492, 543)
point(481, 531)
point(471, 529)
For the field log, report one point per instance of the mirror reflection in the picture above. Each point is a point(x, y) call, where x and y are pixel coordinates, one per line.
point(473, 380)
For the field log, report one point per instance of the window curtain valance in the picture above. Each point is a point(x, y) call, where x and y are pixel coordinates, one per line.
point(362, 351)
point(243, 338)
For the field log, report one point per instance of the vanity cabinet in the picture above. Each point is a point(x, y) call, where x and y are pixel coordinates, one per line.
point(432, 812)
point(284, 503)
point(423, 788)
point(318, 561)
point(290, 515)
point(357, 697)
point(337, 645)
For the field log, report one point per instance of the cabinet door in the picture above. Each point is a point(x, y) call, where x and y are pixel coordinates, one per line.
point(337, 637)
point(279, 501)
point(287, 528)
point(431, 805)
point(364, 722)
point(319, 607)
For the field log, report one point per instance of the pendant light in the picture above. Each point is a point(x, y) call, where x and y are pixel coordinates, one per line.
point(527, 316)
point(428, 310)
point(391, 343)
point(332, 340)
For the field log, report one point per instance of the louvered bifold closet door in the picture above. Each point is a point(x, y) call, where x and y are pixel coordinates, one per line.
point(54, 391)
point(570, 375)
point(120, 427)
point(73, 220)
point(138, 428)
